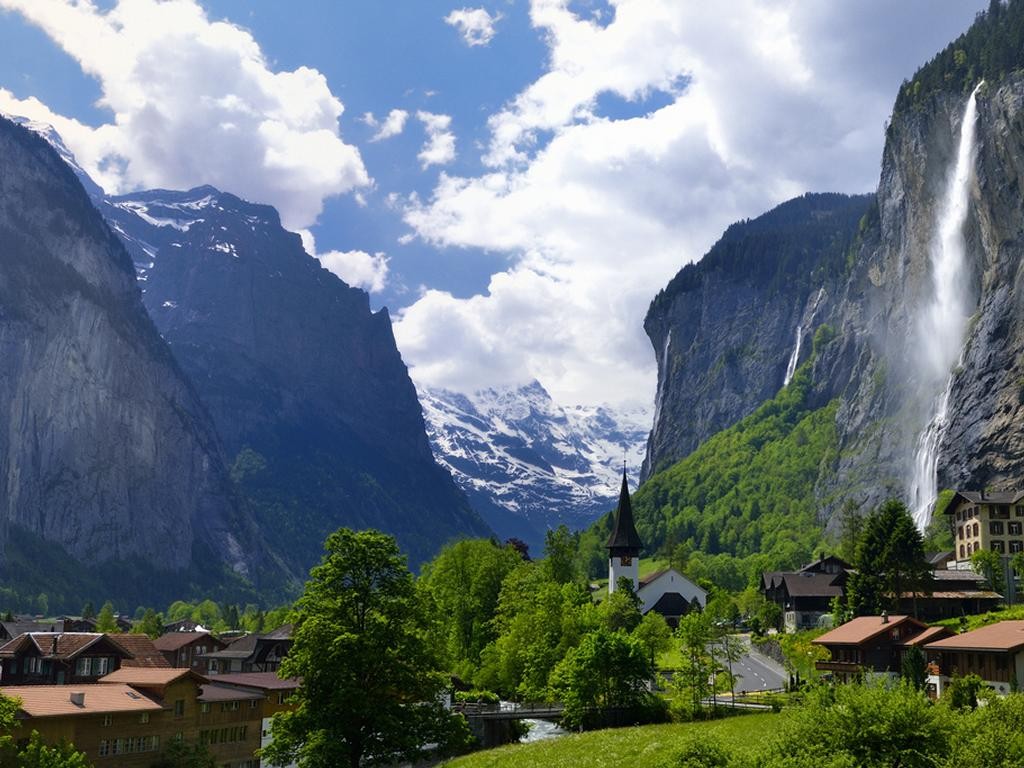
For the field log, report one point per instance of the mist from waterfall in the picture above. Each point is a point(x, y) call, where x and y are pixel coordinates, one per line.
point(943, 321)
point(793, 358)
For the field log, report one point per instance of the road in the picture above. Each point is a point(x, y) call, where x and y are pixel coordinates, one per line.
point(755, 672)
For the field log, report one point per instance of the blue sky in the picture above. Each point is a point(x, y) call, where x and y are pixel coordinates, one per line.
point(598, 146)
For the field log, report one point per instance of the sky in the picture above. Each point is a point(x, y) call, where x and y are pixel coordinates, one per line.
point(514, 180)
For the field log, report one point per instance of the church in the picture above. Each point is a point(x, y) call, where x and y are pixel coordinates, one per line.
point(666, 591)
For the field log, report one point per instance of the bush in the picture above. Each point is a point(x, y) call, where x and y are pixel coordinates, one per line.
point(476, 697)
point(699, 752)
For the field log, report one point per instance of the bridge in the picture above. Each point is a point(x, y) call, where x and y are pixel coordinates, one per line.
point(492, 723)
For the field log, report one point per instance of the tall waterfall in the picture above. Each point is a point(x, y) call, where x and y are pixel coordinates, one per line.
point(662, 380)
point(943, 322)
point(793, 358)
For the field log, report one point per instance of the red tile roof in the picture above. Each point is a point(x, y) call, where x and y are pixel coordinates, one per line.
point(147, 676)
point(144, 652)
point(56, 700)
point(1004, 636)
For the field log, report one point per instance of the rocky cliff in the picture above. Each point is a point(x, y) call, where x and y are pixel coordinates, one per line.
point(105, 449)
point(304, 383)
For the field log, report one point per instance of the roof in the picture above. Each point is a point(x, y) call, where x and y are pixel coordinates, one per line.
point(146, 676)
point(941, 558)
point(268, 681)
point(624, 535)
point(944, 574)
point(983, 497)
point(55, 700)
point(861, 629)
point(929, 635)
point(284, 632)
point(955, 594)
point(653, 576)
point(144, 652)
point(811, 584)
point(672, 604)
point(68, 644)
point(242, 648)
point(15, 628)
point(172, 641)
point(1004, 636)
point(661, 572)
point(214, 692)
point(827, 559)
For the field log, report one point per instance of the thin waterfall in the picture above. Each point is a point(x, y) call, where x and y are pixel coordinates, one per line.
point(662, 379)
point(793, 358)
point(943, 323)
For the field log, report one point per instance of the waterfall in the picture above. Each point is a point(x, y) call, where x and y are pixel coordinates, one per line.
point(793, 358)
point(943, 323)
point(662, 380)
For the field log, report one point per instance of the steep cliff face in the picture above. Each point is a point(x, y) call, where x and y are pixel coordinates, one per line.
point(105, 449)
point(304, 383)
point(729, 330)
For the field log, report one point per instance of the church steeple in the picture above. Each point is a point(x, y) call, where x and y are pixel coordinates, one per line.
point(624, 543)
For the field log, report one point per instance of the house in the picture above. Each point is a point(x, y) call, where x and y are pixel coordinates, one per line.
point(671, 594)
point(804, 596)
point(994, 653)
point(667, 591)
point(868, 645)
point(251, 653)
point(275, 691)
point(984, 520)
point(950, 594)
point(59, 658)
point(188, 650)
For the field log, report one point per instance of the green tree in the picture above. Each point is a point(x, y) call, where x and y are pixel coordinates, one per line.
point(560, 546)
point(727, 651)
point(913, 668)
point(991, 737)
point(621, 609)
point(370, 679)
point(889, 561)
point(106, 622)
point(181, 754)
point(464, 581)
point(692, 680)
point(989, 564)
point(88, 611)
point(607, 669)
point(654, 634)
point(962, 692)
point(151, 624)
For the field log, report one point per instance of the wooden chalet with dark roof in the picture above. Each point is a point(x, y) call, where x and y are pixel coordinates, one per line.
point(252, 653)
point(188, 650)
point(804, 596)
point(873, 645)
point(60, 658)
point(995, 653)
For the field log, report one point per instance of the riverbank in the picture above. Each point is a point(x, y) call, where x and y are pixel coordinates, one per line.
point(638, 747)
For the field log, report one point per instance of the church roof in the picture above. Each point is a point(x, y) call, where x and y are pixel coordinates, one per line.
point(624, 535)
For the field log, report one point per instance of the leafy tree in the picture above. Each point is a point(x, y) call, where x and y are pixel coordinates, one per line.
point(729, 650)
point(106, 622)
point(464, 581)
point(654, 634)
point(989, 564)
point(913, 668)
point(692, 679)
point(370, 679)
point(180, 754)
point(560, 547)
point(992, 736)
point(889, 561)
point(151, 624)
point(621, 609)
point(607, 669)
point(88, 611)
point(962, 692)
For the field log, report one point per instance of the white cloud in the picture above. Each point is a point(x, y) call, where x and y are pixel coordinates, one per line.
point(393, 125)
point(756, 102)
point(358, 268)
point(194, 101)
point(475, 25)
point(439, 148)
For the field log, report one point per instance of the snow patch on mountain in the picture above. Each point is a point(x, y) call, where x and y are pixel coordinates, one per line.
point(529, 464)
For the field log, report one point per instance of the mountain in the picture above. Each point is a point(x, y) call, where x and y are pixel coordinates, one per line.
point(913, 305)
point(526, 463)
point(107, 456)
point(304, 382)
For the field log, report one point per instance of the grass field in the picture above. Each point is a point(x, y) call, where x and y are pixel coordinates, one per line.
point(641, 747)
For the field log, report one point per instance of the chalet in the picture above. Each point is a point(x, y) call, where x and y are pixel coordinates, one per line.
point(871, 645)
point(251, 653)
point(950, 594)
point(995, 653)
point(59, 658)
point(806, 595)
point(188, 650)
point(667, 591)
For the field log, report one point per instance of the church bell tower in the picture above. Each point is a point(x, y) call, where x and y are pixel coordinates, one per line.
point(624, 544)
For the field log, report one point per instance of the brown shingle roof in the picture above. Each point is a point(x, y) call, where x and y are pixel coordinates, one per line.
point(268, 681)
point(929, 635)
point(1004, 636)
point(863, 628)
point(144, 652)
point(812, 584)
point(146, 676)
point(68, 644)
point(55, 700)
point(989, 497)
point(172, 641)
point(213, 692)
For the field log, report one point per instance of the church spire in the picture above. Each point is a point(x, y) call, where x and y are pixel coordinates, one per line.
point(624, 537)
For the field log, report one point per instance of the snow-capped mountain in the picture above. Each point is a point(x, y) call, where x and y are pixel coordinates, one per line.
point(528, 464)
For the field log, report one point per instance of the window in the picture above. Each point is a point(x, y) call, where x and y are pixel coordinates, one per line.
point(229, 706)
point(1016, 546)
point(179, 708)
point(108, 720)
point(83, 667)
point(144, 717)
point(104, 749)
point(995, 528)
point(1020, 511)
point(959, 516)
point(204, 707)
point(997, 546)
point(254, 704)
point(1014, 529)
point(960, 533)
point(976, 546)
point(962, 555)
point(975, 530)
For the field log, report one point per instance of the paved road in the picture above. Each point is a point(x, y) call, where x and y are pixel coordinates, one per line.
point(755, 672)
